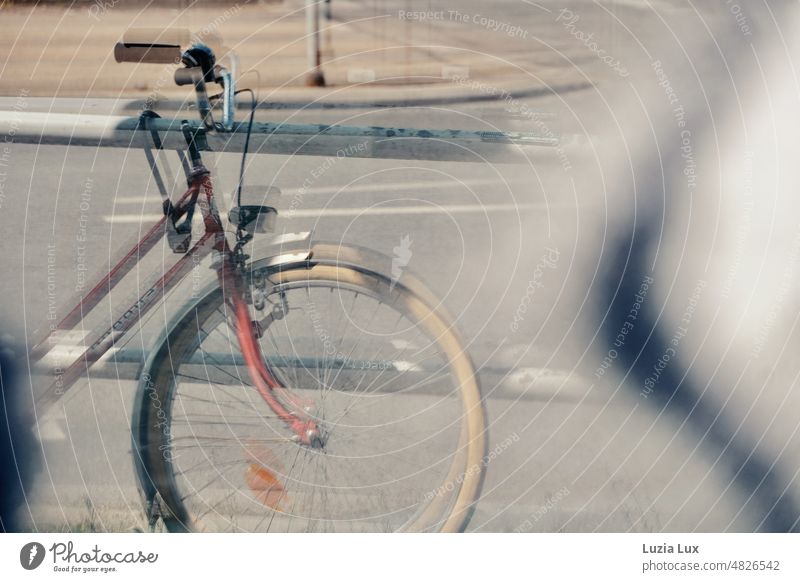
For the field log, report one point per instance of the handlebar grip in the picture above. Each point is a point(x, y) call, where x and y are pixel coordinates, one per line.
point(147, 53)
point(188, 75)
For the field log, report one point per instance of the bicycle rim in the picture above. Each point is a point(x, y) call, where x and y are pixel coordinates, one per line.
point(382, 373)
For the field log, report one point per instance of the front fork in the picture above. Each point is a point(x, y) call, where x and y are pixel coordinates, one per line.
point(230, 265)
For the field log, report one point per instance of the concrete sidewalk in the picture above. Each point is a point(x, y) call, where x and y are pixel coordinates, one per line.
point(67, 52)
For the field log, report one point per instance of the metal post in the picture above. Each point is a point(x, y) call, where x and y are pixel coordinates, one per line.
point(341, 141)
point(327, 13)
point(314, 77)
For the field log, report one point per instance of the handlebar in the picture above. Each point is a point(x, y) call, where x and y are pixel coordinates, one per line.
point(199, 68)
point(146, 53)
point(194, 76)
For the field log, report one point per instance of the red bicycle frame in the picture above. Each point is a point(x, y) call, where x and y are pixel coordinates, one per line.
point(200, 192)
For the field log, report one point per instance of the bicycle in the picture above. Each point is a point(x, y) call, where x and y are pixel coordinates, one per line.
point(304, 389)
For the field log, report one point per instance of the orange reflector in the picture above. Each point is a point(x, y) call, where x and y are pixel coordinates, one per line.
point(266, 487)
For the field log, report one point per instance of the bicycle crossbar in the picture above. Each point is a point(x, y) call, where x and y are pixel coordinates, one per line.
point(342, 141)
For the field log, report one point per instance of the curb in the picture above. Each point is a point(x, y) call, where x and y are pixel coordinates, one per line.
point(416, 96)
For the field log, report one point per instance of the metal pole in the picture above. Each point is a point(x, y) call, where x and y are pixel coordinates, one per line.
point(341, 141)
point(314, 77)
point(328, 15)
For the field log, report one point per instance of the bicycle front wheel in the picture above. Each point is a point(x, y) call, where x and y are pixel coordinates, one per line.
point(375, 364)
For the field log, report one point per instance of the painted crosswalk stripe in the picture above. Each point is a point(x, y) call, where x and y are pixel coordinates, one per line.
point(374, 211)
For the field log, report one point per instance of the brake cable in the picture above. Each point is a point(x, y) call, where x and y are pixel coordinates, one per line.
point(246, 142)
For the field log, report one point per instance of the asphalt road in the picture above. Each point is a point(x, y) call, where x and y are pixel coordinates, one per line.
point(510, 249)
point(479, 238)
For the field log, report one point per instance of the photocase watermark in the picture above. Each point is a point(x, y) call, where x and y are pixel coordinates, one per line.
point(569, 19)
point(688, 158)
point(517, 107)
point(474, 469)
point(680, 332)
point(549, 505)
point(422, 15)
point(320, 170)
point(549, 260)
point(322, 333)
point(5, 161)
point(545, 130)
point(511, 30)
point(19, 106)
point(81, 268)
point(679, 114)
point(161, 419)
point(94, 560)
point(777, 305)
point(52, 314)
point(31, 555)
point(739, 16)
point(334, 358)
point(209, 29)
point(626, 328)
point(197, 276)
point(99, 8)
point(166, 75)
point(400, 259)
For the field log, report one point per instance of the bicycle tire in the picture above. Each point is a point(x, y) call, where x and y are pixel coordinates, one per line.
point(452, 483)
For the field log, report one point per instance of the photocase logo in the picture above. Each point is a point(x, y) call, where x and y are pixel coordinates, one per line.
point(402, 255)
point(31, 555)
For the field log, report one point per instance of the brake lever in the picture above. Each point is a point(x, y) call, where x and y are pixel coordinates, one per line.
point(225, 78)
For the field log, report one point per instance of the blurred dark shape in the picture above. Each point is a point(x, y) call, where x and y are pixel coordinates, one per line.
point(18, 446)
point(764, 486)
point(764, 481)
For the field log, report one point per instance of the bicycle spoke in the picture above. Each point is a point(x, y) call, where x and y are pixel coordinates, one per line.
point(377, 383)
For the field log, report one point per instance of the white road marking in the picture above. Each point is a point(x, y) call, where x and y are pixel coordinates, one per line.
point(50, 430)
point(136, 199)
point(63, 353)
point(405, 186)
point(50, 426)
point(545, 383)
point(401, 344)
point(403, 366)
point(68, 337)
point(374, 211)
point(424, 186)
point(60, 354)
